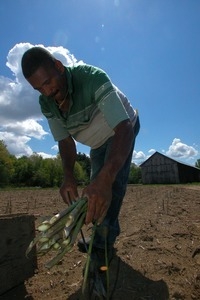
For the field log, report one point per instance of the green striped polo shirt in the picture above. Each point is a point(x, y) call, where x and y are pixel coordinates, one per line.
point(96, 107)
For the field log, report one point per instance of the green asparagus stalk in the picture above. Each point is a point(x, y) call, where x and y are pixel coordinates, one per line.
point(65, 249)
point(60, 232)
point(88, 260)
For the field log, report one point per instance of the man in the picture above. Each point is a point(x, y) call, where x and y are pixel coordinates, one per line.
point(81, 103)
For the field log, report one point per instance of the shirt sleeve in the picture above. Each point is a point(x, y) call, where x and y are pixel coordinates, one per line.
point(111, 105)
point(58, 130)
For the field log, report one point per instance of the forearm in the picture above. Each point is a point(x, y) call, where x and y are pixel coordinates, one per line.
point(99, 191)
point(68, 189)
point(121, 146)
point(67, 149)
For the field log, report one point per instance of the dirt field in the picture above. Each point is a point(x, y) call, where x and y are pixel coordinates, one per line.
point(157, 252)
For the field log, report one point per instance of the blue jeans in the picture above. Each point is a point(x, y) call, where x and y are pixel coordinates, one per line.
point(109, 229)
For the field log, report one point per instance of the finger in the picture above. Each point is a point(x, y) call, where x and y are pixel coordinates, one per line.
point(101, 218)
point(90, 211)
point(74, 196)
point(63, 195)
point(101, 215)
point(69, 195)
point(97, 214)
point(69, 198)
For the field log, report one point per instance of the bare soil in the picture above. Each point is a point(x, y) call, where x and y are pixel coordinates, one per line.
point(157, 252)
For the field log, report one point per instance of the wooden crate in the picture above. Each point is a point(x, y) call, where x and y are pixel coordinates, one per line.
point(16, 232)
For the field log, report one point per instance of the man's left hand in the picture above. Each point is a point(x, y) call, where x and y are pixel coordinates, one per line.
point(99, 195)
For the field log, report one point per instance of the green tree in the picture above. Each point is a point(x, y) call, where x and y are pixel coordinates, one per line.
point(81, 169)
point(48, 172)
point(6, 165)
point(134, 174)
point(84, 161)
point(59, 168)
point(80, 174)
point(23, 172)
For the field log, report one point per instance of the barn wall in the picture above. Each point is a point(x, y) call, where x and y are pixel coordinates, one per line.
point(188, 174)
point(160, 169)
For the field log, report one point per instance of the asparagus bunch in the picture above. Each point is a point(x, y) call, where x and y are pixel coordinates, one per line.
point(59, 233)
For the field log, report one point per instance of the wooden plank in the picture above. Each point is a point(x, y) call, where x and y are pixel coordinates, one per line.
point(16, 232)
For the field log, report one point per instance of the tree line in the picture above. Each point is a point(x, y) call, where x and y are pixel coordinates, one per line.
point(36, 171)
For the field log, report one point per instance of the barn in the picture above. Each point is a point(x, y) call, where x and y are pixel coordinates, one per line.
point(159, 168)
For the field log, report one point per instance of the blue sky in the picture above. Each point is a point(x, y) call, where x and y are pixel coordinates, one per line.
point(149, 48)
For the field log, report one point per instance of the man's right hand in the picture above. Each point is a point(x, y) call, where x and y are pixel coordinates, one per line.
point(68, 191)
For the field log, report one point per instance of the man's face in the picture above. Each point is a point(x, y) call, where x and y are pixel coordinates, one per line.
point(50, 81)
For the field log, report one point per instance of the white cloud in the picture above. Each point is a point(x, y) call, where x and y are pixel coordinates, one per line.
point(138, 155)
point(180, 150)
point(28, 127)
point(46, 155)
point(17, 145)
point(151, 151)
point(20, 114)
point(55, 148)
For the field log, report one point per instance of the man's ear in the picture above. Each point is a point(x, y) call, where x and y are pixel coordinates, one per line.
point(59, 66)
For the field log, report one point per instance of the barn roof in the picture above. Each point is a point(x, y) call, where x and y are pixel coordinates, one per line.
point(173, 160)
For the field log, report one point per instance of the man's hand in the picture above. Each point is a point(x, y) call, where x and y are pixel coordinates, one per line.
point(67, 149)
point(99, 194)
point(68, 191)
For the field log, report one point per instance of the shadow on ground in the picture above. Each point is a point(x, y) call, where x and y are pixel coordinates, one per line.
point(129, 284)
point(18, 293)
